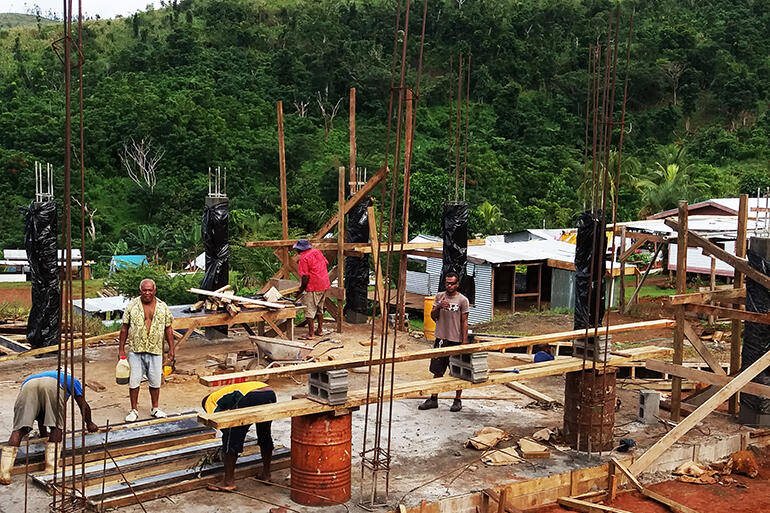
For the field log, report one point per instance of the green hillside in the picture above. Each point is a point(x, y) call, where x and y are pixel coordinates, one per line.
point(11, 20)
point(201, 78)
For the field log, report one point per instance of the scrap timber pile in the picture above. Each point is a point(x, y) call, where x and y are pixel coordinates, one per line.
point(225, 299)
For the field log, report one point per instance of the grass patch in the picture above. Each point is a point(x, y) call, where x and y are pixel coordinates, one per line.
point(417, 324)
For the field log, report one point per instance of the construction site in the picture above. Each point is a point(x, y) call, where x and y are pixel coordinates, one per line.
point(618, 406)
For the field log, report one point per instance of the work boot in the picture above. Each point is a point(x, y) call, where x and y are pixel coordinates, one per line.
point(50, 457)
point(429, 404)
point(457, 405)
point(7, 459)
point(133, 415)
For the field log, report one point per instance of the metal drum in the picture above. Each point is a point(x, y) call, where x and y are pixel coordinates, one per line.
point(320, 459)
point(589, 409)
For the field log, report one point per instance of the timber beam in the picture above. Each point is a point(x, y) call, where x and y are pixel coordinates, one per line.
point(719, 296)
point(486, 343)
point(299, 407)
point(701, 376)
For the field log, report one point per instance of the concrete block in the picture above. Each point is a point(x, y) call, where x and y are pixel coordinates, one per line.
point(323, 395)
point(334, 381)
point(467, 374)
point(649, 406)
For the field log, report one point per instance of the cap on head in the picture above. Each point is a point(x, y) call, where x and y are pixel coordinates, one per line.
point(302, 245)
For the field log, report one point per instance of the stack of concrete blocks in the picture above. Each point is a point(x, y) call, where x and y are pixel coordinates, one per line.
point(329, 387)
point(470, 367)
point(649, 406)
point(591, 348)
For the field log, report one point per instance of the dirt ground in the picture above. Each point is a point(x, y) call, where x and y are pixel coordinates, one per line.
point(745, 495)
point(429, 460)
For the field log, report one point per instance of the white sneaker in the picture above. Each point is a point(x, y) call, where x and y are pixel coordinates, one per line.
point(158, 413)
point(132, 416)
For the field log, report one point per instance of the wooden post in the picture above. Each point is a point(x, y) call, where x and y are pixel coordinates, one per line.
point(735, 337)
point(493, 290)
point(539, 285)
point(681, 288)
point(374, 240)
point(622, 288)
point(284, 199)
point(513, 291)
point(340, 243)
point(713, 283)
point(352, 118)
point(408, 124)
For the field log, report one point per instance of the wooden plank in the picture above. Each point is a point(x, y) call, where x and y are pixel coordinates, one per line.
point(352, 128)
point(587, 507)
point(53, 349)
point(627, 473)
point(374, 241)
point(700, 376)
point(732, 313)
point(641, 282)
point(738, 282)
point(355, 398)
point(530, 392)
point(672, 504)
point(703, 351)
point(709, 248)
point(362, 192)
point(670, 438)
point(681, 288)
point(241, 299)
point(275, 327)
point(622, 283)
point(341, 239)
point(632, 249)
point(485, 343)
point(719, 296)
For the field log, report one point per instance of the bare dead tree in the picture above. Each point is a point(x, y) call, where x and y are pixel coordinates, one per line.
point(674, 71)
point(328, 111)
point(90, 213)
point(141, 161)
point(301, 107)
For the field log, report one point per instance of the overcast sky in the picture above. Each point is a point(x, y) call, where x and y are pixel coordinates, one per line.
point(104, 8)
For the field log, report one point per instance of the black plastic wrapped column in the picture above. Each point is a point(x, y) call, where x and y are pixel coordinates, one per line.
point(756, 336)
point(357, 268)
point(454, 231)
point(591, 240)
point(40, 241)
point(215, 235)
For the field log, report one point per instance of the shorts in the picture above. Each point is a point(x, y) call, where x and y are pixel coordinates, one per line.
point(438, 366)
point(314, 303)
point(145, 364)
point(233, 438)
point(37, 398)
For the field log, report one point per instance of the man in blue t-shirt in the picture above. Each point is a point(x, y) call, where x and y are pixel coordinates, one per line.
point(42, 398)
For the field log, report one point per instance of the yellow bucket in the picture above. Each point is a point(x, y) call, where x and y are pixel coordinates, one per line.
point(429, 325)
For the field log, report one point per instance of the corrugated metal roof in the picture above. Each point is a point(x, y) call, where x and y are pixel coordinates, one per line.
point(103, 304)
point(21, 254)
point(730, 205)
point(527, 251)
point(712, 225)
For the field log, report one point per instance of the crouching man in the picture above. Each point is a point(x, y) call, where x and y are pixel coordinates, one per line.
point(241, 395)
point(42, 398)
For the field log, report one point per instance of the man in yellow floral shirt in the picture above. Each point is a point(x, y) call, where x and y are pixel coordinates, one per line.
point(146, 322)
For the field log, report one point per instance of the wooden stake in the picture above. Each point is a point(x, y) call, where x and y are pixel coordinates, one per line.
point(409, 124)
point(738, 282)
point(352, 122)
point(622, 291)
point(375, 243)
point(681, 288)
point(340, 242)
point(284, 198)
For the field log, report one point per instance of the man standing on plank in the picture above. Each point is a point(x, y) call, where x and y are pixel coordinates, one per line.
point(315, 283)
point(450, 311)
point(42, 398)
point(241, 395)
point(146, 322)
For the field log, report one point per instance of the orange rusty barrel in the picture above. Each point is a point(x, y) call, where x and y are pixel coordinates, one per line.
point(320, 459)
point(589, 409)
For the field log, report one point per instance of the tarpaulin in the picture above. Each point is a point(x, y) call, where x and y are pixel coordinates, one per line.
point(216, 242)
point(756, 336)
point(357, 268)
point(454, 231)
point(40, 241)
point(591, 246)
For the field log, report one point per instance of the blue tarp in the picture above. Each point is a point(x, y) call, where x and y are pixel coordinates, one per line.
point(119, 262)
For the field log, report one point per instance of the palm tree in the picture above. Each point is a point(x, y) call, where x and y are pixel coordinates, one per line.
point(492, 219)
point(630, 168)
point(151, 239)
point(187, 243)
point(670, 182)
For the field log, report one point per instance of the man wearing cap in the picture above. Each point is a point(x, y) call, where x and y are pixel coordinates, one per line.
point(315, 283)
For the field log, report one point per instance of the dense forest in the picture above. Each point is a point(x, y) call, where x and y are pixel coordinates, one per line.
point(199, 80)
